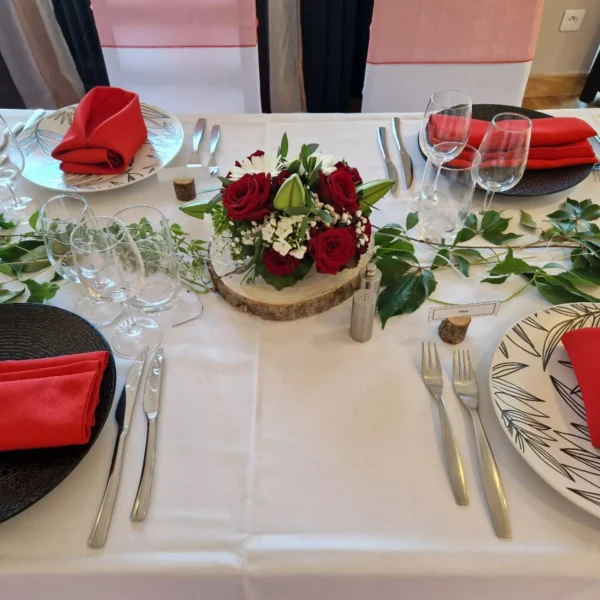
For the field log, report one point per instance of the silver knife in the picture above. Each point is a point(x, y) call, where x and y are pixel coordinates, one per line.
point(123, 417)
point(392, 173)
point(151, 400)
point(404, 155)
point(195, 160)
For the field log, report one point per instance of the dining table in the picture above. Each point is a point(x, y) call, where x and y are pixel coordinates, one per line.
point(294, 463)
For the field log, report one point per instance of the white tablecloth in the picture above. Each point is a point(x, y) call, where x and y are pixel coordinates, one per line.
point(294, 463)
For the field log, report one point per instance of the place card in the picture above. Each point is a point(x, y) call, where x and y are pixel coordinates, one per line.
point(477, 309)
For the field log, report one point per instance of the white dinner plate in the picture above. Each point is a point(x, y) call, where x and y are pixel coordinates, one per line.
point(539, 405)
point(165, 137)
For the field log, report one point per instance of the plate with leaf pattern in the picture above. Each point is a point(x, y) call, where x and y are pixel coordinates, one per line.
point(538, 401)
point(165, 138)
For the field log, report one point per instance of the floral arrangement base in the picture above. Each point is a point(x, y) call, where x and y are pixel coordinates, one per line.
point(312, 295)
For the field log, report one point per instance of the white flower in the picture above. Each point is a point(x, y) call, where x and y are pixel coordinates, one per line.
point(284, 228)
point(267, 163)
point(298, 252)
point(268, 232)
point(282, 247)
point(327, 162)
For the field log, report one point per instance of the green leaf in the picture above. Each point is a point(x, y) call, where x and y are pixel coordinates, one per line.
point(561, 215)
point(294, 166)
point(303, 227)
point(199, 208)
point(591, 213)
point(394, 298)
point(298, 210)
point(462, 264)
point(311, 148)
point(291, 193)
point(314, 176)
point(411, 220)
point(560, 291)
point(468, 253)
point(387, 240)
point(40, 292)
point(18, 252)
point(442, 259)
point(7, 224)
point(8, 295)
point(226, 182)
point(283, 147)
point(512, 266)
point(495, 280)
point(392, 269)
point(325, 216)
point(469, 230)
point(6, 270)
point(498, 238)
point(527, 221)
point(37, 260)
point(490, 219)
point(372, 192)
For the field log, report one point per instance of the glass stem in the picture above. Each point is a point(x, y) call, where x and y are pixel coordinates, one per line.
point(131, 324)
point(16, 199)
point(487, 202)
point(437, 177)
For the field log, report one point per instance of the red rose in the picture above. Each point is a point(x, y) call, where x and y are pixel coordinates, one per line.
point(257, 153)
point(247, 199)
point(342, 166)
point(332, 249)
point(278, 180)
point(277, 264)
point(339, 190)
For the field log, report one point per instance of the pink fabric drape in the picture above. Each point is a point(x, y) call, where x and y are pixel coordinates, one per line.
point(175, 23)
point(457, 31)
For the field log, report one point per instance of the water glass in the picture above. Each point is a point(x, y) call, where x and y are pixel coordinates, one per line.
point(12, 163)
point(150, 230)
point(445, 197)
point(58, 217)
point(504, 151)
point(111, 267)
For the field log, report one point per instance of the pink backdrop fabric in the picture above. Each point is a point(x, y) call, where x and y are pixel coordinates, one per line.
point(456, 31)
point(175, 23)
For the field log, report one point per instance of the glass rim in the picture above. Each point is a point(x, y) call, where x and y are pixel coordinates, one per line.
point(122, 228)
point(474, 163)
point(469, 101)
point(43, 217)
point(141, 206)
point(515, 117)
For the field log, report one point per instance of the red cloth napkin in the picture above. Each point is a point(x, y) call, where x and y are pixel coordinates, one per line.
point(582, 346)
point(48, 402)
point(555, 143)
point(107, 130)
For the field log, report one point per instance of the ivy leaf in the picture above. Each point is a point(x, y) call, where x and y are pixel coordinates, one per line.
point(561, 215)
point(372, 192)
point(283, 147)
point(462, 264)
point(468, 253)
point(591, 213)
point(556, 292)
point(8, 295)
point(490, 218)
point(405, 295)
point(20, 251)
point(493, 226)
point(6, 224)
point(469, 231)
point(40, 292)
point(527, 221)
point(392, 269)
point(442, 258)
point(290, 194)
point(512, 266)
point(495, 280)
point(498, 238)
point(411, 220)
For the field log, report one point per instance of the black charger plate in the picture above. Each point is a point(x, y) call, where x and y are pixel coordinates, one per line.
point(39, 331)
point(534, 183)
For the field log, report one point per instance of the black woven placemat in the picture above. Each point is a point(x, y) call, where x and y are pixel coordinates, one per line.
point(39, 331)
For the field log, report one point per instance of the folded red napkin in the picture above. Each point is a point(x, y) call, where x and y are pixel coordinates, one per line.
point(48, 402)
point(107, 130)
point(582, 346)
point(555, 143)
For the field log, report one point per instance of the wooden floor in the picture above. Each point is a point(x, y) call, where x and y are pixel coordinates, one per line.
point(556, 91)
point(546, 102)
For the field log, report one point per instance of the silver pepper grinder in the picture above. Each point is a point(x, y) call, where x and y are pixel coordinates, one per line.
point(364, 303)
point(370, 278)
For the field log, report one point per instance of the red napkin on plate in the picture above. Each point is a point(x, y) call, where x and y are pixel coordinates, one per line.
point(46, 402)
point(582, 346)
point(107, 130)
point(555, 143)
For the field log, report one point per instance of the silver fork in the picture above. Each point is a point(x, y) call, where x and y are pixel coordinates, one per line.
point(596, 169)
point(465, 386)
point(215, 134)
point(432, 376)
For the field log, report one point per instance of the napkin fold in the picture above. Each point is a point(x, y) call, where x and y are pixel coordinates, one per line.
point(47, 402)
point(107, 130)
point(555, 143)
point(582, 345)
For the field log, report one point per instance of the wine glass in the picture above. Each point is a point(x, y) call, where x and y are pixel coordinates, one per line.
point(504, 151)
point(150, 230)
point(111, 268)
point(12, 163)
point(445, 197)
point(58, 217)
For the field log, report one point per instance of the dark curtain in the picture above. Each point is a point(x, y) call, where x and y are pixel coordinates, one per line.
point(262, 14)
point(9, 94)
point(592, 85)
point(76, 21)
point(335, 41)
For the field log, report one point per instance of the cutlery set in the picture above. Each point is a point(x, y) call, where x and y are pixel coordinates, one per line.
point(405, 160)
point(195, 159)
point(123, 414)
point(465, 386)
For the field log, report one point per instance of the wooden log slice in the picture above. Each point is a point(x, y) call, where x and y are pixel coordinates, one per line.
point(314, 294)
point(453, 330)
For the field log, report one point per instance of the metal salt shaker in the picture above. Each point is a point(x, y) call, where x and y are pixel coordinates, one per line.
point(370, 278)
point(364, 303)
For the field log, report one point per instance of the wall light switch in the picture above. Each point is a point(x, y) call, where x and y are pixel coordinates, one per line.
point(572, 20)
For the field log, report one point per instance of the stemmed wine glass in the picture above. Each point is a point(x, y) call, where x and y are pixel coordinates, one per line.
point(111, 267)
point(58, 217)
point(445, 127)
point(12, 163)
point(504, 151)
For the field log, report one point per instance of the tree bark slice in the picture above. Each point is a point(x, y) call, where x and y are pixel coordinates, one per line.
point(454, 329)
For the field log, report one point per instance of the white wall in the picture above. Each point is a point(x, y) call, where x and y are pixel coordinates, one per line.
point(559, 52)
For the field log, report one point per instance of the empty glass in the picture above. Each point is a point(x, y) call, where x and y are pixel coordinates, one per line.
point(12, 163)
point(445, 198)
point(111, 268)
point(504, 151)
point(58, 217)
point(150, 230)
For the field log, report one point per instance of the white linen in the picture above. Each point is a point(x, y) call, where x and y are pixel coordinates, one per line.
point(294, 463)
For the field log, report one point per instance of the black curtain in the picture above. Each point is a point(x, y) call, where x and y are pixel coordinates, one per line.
point(77, 23)
point(592, 85)
point(335, 41)
point(262, 14)
point(9, 94)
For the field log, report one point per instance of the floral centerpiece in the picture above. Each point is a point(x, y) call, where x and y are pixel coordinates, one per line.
point(281, 215)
